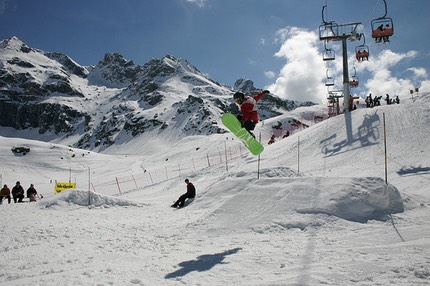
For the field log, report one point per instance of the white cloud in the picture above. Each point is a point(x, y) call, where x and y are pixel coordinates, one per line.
point(418, 72)
point(270, 74)
point(382, 81)
point(301, 77)
point(425, 86)
point(262, 41)
point(200, 3)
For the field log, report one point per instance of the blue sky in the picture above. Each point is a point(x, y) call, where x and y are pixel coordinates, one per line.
point(272, 42)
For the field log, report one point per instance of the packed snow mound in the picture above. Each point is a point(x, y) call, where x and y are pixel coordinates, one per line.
point(249, 202)
point(85, 198)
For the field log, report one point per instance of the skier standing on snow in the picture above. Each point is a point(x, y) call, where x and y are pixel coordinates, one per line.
point(248, 107)
point(190, 194)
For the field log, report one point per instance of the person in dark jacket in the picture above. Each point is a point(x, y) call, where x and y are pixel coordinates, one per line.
point(31, 193)
point(190, 194)
point(18, 192)
point(5, 193)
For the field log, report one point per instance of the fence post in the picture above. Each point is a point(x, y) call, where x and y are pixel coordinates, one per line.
point(134, 182)
point(119, 189)
point(385, 150)
point(298, 154)
point(149, 173)
point(258, 165)
point(225, 148)
point(89, 184)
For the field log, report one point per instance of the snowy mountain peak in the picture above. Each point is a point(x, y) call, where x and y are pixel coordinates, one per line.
point(15, 44)
point(180, 64)
point(113, 71)
point(244, 85)
point(115, 59)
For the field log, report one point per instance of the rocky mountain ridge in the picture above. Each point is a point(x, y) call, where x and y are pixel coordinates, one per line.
point(114, 101)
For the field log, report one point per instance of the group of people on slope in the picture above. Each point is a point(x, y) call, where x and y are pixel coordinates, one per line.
point(376, 100)
point(18, 193)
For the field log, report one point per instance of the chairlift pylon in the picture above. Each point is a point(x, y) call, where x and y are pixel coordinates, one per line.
point(382, 27)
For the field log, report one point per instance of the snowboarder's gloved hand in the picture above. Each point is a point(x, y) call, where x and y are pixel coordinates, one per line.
point(266, 91)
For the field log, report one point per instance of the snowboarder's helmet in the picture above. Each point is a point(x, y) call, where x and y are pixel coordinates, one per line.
point(238, 95)
point(187, 181)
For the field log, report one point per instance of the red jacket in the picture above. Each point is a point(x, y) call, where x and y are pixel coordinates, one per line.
point(249, 107)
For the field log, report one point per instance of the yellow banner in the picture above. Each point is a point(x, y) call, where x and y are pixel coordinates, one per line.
point(61, 186)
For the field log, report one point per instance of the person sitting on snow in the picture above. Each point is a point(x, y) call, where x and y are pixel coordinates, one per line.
point(17, 192)
point(190, 194)
point(31, 193)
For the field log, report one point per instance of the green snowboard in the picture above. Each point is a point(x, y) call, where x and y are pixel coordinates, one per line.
point(233, 124)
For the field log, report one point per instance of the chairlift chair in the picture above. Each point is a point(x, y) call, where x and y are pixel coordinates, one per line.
point(328, 53)
point(329, 81)
point(382, 27)
point(328, 30)
point(353, 81)
point(362, 51)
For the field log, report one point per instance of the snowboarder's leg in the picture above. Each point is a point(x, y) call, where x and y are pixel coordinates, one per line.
point(182, 200)
point(175, 205)
point(249, 126)
point(240, 118)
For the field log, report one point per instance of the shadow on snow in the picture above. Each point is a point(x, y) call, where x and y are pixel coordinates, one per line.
point(202, 263)
point(367, 134)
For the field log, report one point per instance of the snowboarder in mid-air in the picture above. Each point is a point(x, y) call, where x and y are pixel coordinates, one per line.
point(248, 107)
point(190, 194)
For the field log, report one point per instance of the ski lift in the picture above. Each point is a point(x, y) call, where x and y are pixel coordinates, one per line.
point(382, 27)
point(328, 30)
point(353, 81)
point(329, 81)
point(328, 53)
point(362, 51)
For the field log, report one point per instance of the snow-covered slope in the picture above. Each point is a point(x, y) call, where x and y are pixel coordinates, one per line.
point(318, 212)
